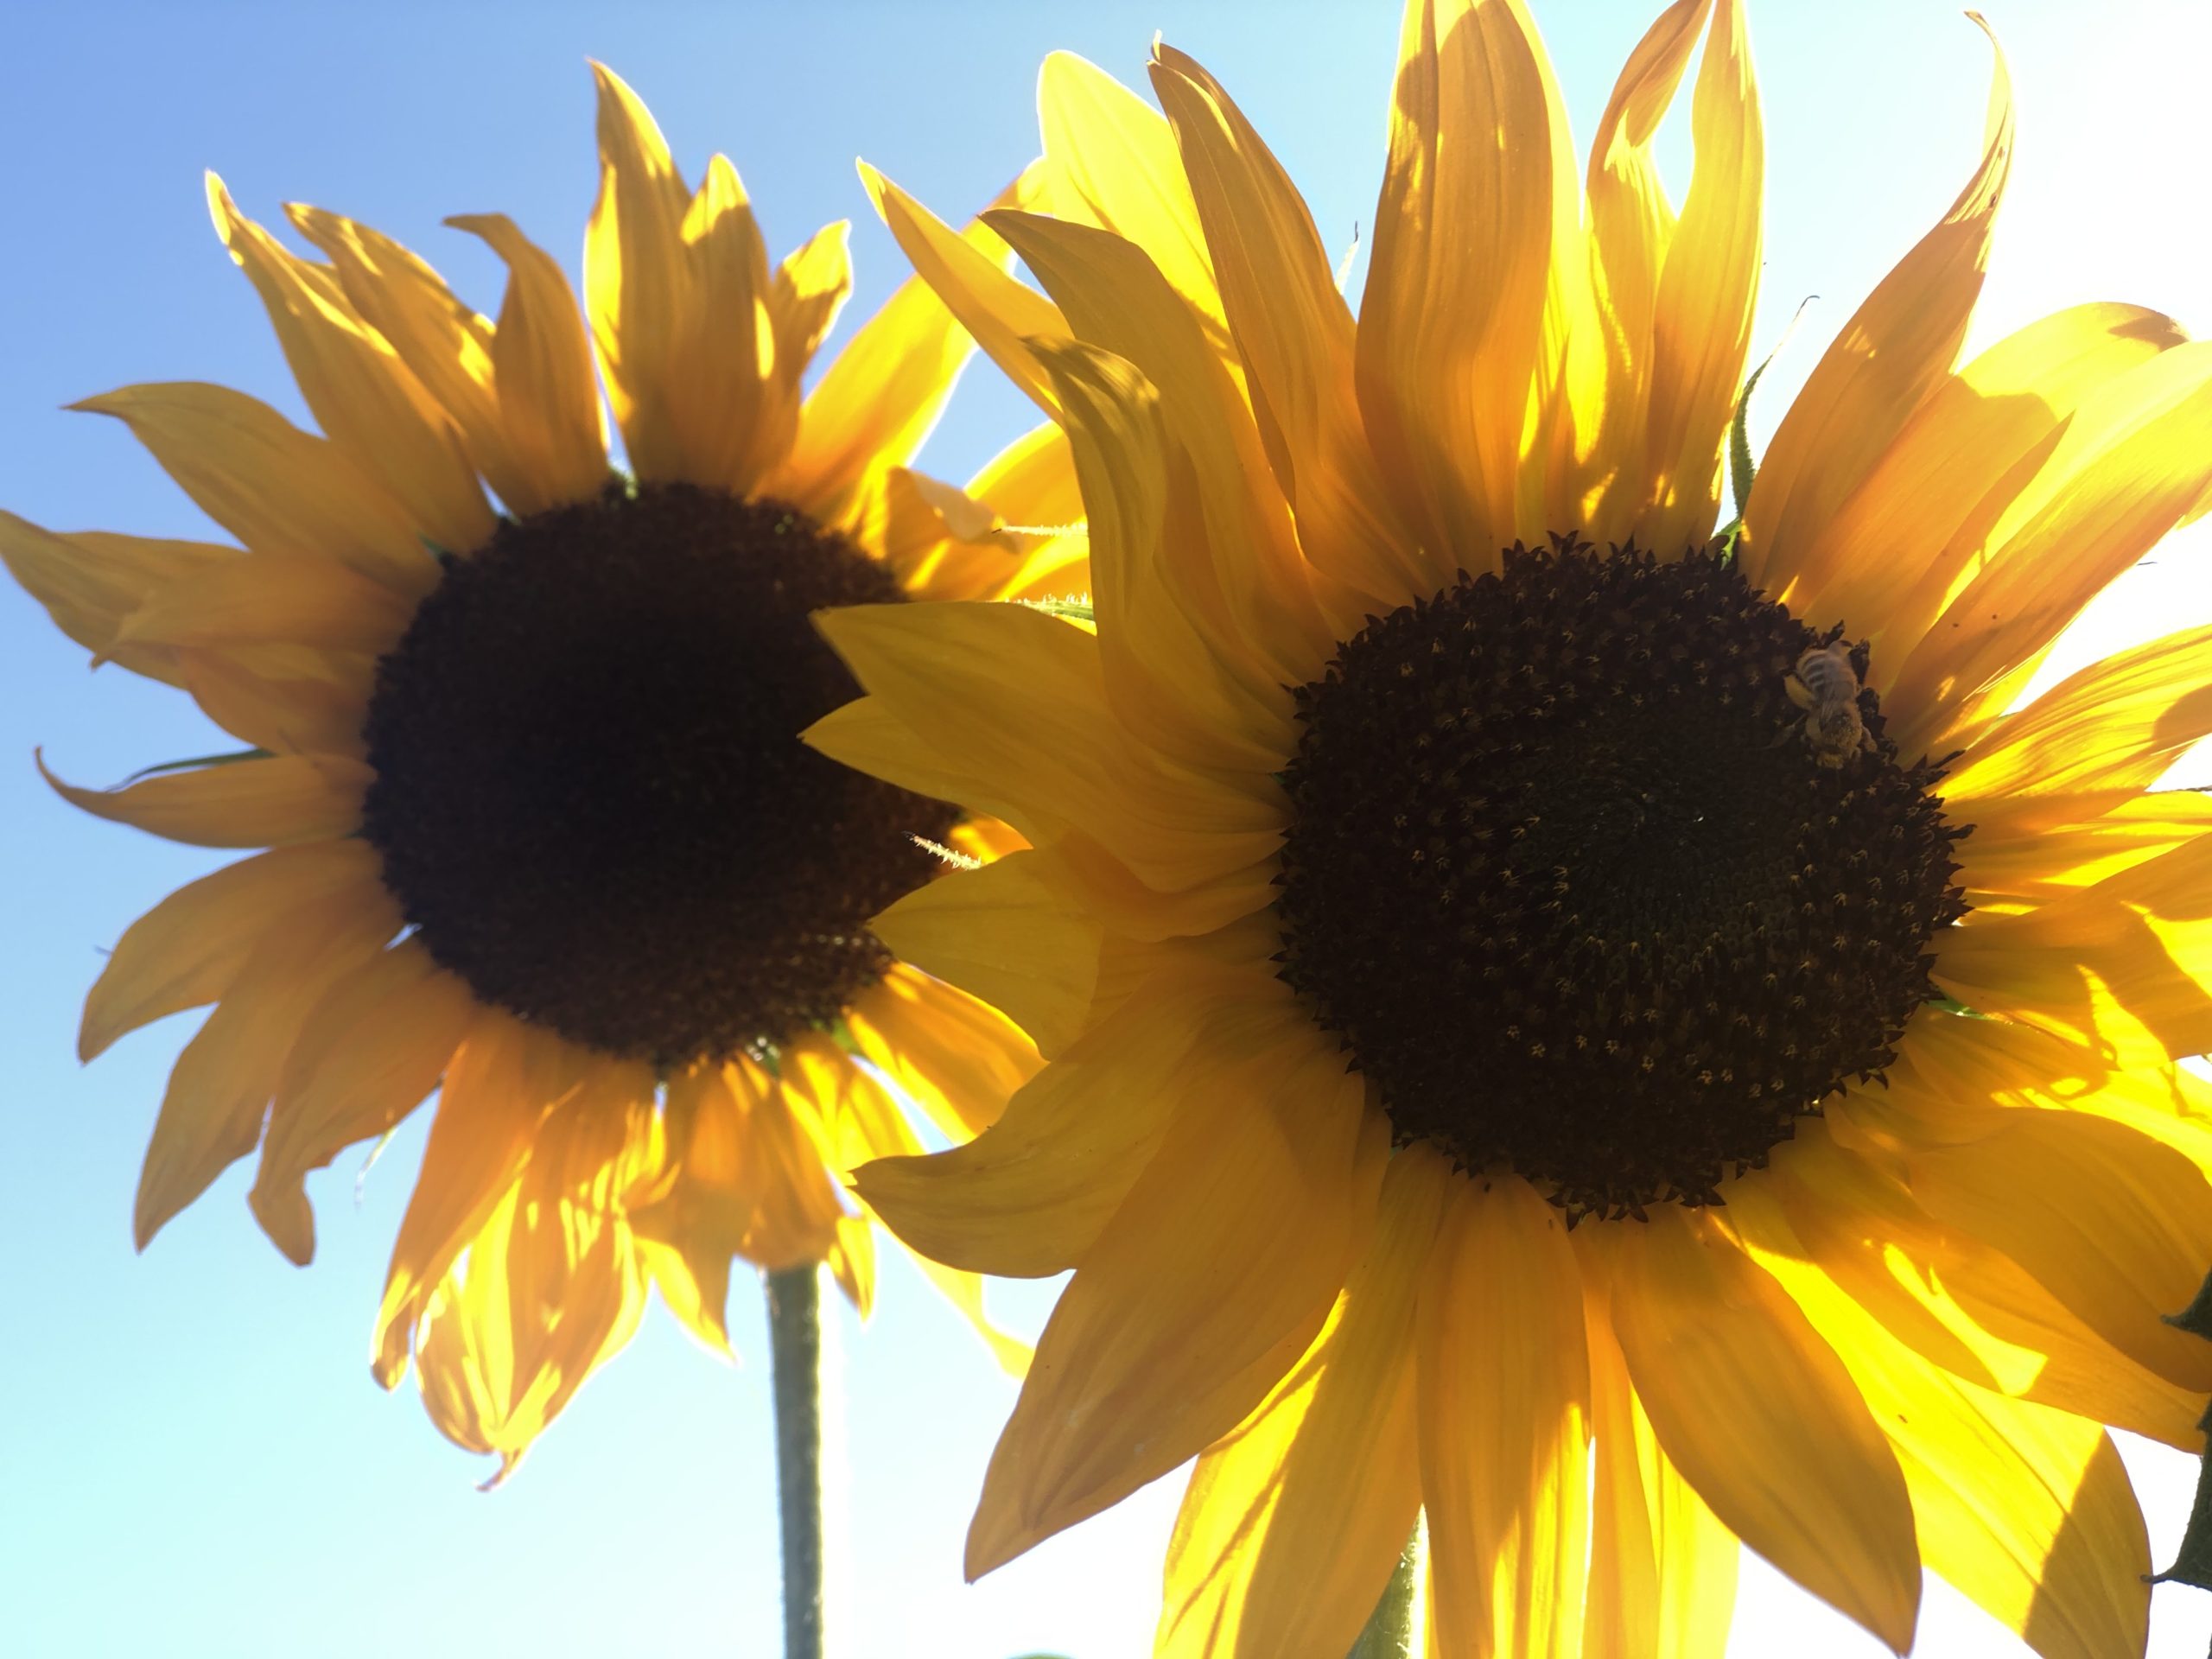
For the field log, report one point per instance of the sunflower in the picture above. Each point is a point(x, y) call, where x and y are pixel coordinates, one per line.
point(1618, 1037)
point(540, 836)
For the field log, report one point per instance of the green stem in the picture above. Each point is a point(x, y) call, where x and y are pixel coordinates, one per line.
point(795, 1344)
point(1389, 1633)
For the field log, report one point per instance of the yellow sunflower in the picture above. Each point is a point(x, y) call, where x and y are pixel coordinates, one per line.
point(540, 833)
point(1619, 1038)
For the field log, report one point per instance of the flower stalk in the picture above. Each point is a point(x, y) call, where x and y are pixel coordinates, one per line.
point(795, 1347)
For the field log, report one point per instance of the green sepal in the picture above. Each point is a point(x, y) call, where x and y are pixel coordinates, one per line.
point(1951, 1005)
point(196, 760)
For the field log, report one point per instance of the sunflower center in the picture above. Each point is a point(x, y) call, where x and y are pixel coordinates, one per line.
point(1585, 886)
point(590, 799)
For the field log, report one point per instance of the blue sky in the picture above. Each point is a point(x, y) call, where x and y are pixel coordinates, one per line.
point(195, 1459)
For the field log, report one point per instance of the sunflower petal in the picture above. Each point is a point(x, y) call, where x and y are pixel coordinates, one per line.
point(2123, 968)
point(366, 1054)
point(1110, 163)
point(1293, 333)
point(2129, 464)
point(1505, 1425)
point(263, 599)
point(2026, 1510)
point(219, 1089)
point(302, 713)
point(502, 1083)
point(1459, 274)
point(1702, 321)
point(1031, 1195)
point(551, 426)
point(1185, 692)
point(957, 1058)
point(1886, 560)
point(1012, 701)
point(1291, 1525)
point(1003, 935)
point(1213, 1276)
point(1731, 1373)
point(638, 289)
point(190, 948)
point(1662, 1569)
point(1002, 315)
point(1897, 348)
point(731, 424)
point(278, 489)
point(261, 802)
point(2115, 1225)
point(363, 397)
point(90, 581)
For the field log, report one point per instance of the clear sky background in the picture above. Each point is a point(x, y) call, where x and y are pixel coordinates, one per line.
point(194, 1459)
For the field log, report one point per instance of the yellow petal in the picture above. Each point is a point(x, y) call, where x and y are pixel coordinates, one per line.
point(730, 424)
point(1294, 335)
point(1030, 1196)
point(366, 1054)
point(90, 581)
point(314, 712)
point(1003, 317)
point(2123, 967)
point(2033, 849)
point(1458, 275)
point(795, 1212)
point(1884, 563)
point(278, 489)
point(1702, 323)
point(364, 398)
point(220, 1086)
point(1013, 701)
point(262, 803)
point(1505, 1425)
point(263, 599)
point(2129, 464)
point(1603, 479)
point(502, 1082)
point(1897, 349)
point(2115, 1225)
point(878, 401)
point(1185, 690)
point(1110, 163)
point(2115, 726)
point(444, 344)
point(1662, 1569)
point(1030, 485)
point(1761, 1417)
point(808, 291)
point(190, 948)
point(551, 427)
point(1002, 934)
point(1245, 581)
point(1211, 1279)
point(1291, 1525)
point(955, 1058)
point(636, 278)
point(2027, 1510)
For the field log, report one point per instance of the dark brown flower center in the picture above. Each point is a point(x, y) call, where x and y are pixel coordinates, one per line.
point(590, 798)
point(1587, 891)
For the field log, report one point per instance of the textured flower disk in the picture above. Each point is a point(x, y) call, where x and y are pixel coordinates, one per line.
point(541, 837)
point(1558, 828)
point(1340, 774)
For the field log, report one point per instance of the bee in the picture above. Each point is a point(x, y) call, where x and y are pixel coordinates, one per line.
point(1826, 686)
